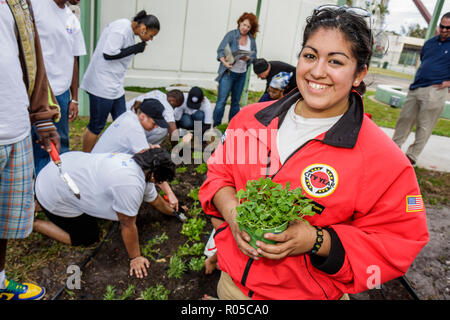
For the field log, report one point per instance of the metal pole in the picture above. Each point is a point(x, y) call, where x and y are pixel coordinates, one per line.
point(85, 21)
point(434, 19)
point(244, 99)
point(91, 33)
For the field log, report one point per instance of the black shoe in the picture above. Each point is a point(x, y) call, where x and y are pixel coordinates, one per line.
point(413, 162)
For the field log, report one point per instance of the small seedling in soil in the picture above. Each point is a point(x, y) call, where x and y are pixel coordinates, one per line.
point(158, 292)
point(197, 264)
point(193, 228)
point(110, 293)
point(186, 250)
point(176, 267)
point(202, 168)
point(193, 194)
point(149, 250)
point(181, 169)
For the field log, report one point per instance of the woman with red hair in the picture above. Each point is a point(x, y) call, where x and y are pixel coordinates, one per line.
point(232, 75)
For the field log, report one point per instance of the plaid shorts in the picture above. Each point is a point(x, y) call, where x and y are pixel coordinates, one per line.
point(16, 189)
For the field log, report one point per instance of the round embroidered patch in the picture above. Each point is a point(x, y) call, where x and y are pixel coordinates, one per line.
point(319, 180)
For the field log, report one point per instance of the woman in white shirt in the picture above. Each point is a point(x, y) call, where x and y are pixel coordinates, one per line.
point(104, 76)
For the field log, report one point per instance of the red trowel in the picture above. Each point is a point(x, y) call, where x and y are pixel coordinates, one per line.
point(64, 175)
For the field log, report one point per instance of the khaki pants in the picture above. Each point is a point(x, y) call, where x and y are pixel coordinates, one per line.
point(227, 290)
point(422, 108)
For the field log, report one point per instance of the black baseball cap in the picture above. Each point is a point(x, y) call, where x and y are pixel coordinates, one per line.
point(260, 65)
point(154, 109)
point(195, 98)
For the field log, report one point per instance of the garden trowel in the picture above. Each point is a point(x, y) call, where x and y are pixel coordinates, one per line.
point(64, 175)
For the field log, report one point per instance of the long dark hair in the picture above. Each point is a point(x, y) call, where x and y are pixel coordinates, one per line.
point(353, 27)
point(149, 20)
point(157, 163)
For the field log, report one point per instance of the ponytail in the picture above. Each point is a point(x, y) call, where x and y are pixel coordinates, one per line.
point(149, 20)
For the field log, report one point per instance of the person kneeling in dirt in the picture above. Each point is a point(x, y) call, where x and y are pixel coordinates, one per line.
point(112, 187)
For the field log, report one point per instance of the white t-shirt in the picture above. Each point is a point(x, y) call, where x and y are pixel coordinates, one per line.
point(205, 107)
point(296, 130)
point(61, 41)
point(125, 135)
point(108, 183)
point(240, 66)
point(104, 78)
point(14, 117)
point(168, 113)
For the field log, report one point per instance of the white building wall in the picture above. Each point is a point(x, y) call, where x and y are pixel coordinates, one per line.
point(185, 50)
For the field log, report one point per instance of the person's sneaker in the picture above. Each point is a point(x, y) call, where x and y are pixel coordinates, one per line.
point(21, 291)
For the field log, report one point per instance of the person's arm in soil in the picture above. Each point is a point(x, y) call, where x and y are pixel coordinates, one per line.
point(138, 263)
point(226, 202)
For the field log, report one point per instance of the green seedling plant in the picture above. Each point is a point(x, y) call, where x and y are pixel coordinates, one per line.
point(176, 267)
point(197, 264)
point(181, 169)
point(193, 228)
point(187, 250)
point(158, 292)
point(150, 251)
point(265, 204)
point(202, 168)
point(110, 293)
point(193, 194)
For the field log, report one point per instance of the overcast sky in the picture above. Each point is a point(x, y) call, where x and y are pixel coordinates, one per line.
point(405, 12)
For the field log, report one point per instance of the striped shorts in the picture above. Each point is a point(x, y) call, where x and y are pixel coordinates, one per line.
point(16, 189)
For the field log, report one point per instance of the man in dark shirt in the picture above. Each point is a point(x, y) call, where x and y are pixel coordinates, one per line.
point(428, 93)
point(267, 69)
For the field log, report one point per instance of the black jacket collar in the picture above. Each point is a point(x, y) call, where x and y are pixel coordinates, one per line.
point(343, 133)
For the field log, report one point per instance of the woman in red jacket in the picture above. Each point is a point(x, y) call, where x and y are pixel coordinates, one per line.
point(371, 220)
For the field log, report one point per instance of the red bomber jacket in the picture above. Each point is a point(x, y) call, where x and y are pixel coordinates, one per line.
point(366, 195)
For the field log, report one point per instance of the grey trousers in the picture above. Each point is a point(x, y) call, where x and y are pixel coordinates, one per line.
point(422, 108)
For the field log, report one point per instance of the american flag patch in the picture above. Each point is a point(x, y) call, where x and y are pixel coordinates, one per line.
point(414, 203)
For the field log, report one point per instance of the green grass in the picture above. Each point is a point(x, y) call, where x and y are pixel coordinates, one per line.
point(390, 73)
point(386, 116)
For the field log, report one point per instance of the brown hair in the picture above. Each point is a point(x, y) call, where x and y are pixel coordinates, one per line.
point(253, 22)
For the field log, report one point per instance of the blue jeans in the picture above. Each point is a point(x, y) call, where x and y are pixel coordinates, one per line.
point(41, 157)
point(100, 108)
point(233, 83)
point(187, 121)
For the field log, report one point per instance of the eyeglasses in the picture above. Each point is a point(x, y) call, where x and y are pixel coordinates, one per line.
point(355, 10)
point(444, 27)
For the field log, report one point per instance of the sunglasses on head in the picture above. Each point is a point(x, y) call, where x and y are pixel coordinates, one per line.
point(355, 10)
point(444, 27)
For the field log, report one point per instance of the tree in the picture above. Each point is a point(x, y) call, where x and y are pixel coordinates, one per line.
point(414, 30)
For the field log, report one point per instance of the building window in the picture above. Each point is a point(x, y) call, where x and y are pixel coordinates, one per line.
point(410, 55)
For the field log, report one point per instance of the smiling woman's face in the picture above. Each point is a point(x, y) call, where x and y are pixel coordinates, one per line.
point(326, 72)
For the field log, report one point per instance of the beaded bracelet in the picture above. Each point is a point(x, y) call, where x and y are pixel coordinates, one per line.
point(319, 241)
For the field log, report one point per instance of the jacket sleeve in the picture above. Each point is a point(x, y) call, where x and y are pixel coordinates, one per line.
point(379, 244)
point(219, 176)
point(221, 49)
point(44, 109)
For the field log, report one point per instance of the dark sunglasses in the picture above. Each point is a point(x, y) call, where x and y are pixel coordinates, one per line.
point(444, 27)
